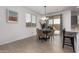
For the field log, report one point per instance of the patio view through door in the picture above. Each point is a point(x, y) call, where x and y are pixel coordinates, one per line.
point(56, 23)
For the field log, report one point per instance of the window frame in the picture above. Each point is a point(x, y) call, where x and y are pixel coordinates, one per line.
point(31, 20)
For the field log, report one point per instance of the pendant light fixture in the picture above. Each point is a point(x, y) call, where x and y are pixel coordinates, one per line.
point(45, 17)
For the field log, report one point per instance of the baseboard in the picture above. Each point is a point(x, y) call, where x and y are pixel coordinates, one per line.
point(10, 41)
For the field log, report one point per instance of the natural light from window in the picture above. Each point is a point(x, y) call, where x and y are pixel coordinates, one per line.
point(50, 21)
point(56, 21)
point(28, 18)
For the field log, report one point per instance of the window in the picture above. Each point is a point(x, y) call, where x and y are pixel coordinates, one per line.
point(30, 20)
point(56, 21)
point(50, 21)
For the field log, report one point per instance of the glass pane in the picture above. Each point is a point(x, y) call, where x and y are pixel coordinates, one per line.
point(56, 21)
point(28, 19)
point(33, 20)
point(50, 21)
point(56, 26)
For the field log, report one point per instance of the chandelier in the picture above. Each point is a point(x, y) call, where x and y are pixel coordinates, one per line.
point(45, 18)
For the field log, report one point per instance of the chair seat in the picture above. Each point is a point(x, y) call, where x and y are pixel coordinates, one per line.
point(69, 36)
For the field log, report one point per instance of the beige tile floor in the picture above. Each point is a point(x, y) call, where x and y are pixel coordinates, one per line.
point(32, 45)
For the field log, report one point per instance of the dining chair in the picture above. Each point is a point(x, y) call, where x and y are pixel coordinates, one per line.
point(40, 34)
point(51, 35)
point(69, 35)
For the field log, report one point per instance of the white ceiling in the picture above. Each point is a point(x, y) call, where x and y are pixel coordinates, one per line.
point(49, 9)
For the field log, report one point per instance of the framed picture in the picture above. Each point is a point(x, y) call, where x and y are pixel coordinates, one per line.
point(12, 16)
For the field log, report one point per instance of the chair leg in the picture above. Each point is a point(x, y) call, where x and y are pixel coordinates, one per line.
point(51, 38)
point(37, 37)
point(63, 41)
point(72, 42)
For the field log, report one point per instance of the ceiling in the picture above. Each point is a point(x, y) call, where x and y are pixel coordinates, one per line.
point(49, 9)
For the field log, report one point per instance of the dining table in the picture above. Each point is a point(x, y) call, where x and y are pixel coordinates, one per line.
point(46, 31)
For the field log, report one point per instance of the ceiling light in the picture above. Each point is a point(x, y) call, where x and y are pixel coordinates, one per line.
point(44, 18)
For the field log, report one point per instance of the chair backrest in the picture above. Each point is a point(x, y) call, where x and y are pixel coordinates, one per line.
point(63, 31)
point(51, 33)
point(39, 32)
point(67, 33)
point(43, 25)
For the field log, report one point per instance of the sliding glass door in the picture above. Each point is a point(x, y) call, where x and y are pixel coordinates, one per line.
point(56, 23)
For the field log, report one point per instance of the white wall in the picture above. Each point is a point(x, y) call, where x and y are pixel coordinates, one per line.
point(15, 31)
point(66, 18)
